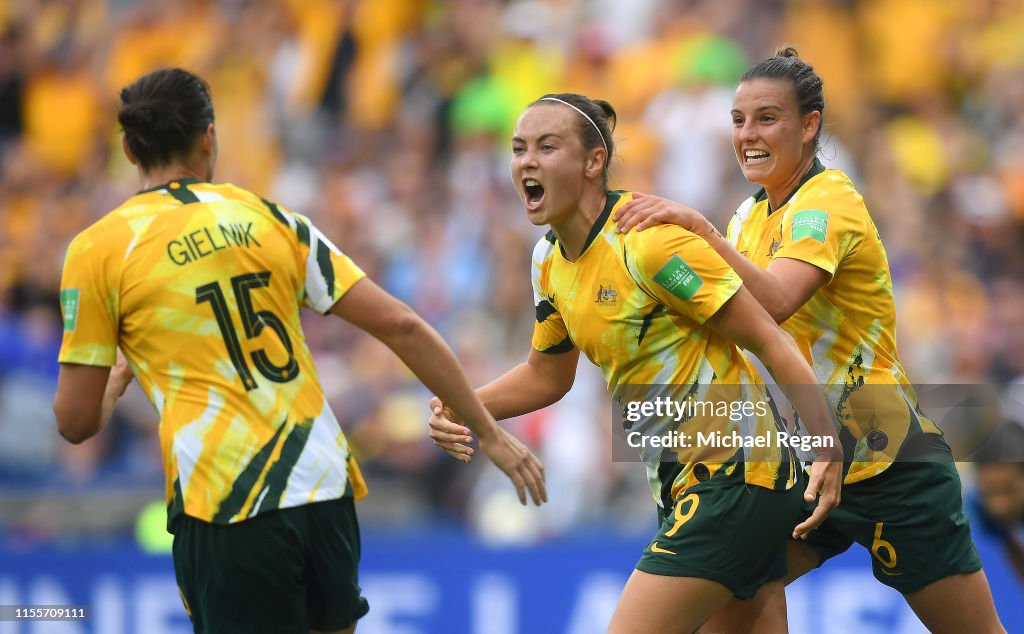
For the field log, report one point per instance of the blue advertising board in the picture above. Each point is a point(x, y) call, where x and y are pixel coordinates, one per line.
point(446, 581)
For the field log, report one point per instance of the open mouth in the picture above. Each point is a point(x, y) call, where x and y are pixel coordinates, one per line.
point(534, 192)
point(755, 157)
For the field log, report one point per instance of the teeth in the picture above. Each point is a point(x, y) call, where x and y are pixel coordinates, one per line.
point(529, 182)
point(755, 156)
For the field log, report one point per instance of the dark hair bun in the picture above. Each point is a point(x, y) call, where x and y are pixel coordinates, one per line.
point(151, 118)
point(787, 51)
point(162, 114)
point(609, 112)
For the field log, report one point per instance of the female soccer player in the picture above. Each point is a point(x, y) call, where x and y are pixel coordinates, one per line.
point(809, 252)
point(200, 285)
point(657, 307)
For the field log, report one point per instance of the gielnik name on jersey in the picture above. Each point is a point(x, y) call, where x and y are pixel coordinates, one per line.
point(193, 246)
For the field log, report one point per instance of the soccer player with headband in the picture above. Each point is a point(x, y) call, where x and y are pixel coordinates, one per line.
point(658, 307)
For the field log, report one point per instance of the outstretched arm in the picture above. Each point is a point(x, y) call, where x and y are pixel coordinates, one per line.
point(543, 380)
point(422, 349)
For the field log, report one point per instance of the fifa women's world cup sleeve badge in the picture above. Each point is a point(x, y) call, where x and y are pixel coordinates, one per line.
point(69, 307)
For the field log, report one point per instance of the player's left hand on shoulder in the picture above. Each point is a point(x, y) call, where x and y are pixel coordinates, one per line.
point(645, 210)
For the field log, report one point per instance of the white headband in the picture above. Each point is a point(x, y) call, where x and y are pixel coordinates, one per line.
point(585, 116)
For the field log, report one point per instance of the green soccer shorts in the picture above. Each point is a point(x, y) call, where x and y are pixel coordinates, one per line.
point(910, 518)
point(726, 531)
point(280, 572)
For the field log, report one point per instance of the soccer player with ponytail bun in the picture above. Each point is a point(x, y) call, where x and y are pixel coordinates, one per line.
point(809, 252)
point(657, 308)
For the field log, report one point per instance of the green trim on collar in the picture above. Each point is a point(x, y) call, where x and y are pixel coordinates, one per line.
point(184, 182)
point(816, 168)
point(611, 198)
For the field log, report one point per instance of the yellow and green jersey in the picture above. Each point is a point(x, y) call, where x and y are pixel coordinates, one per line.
point(636, 304)
point(201, 285)
point(847, 330)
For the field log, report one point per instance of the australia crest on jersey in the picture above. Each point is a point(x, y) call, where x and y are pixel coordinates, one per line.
point(606, 298)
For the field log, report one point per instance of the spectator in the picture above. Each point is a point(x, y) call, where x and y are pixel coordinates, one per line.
point(999, 500)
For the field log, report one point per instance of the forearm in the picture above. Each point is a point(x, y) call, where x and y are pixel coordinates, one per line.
point(765, 287)
point(426, 354)
point(116, 385)
point(109, 401)
point(798, 383)
point(521, 390)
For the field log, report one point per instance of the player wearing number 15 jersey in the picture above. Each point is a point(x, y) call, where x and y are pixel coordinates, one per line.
point(200, 286)
point(201, 283)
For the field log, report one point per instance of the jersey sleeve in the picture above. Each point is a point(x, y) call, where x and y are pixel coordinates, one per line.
point(550, 334)
point(89, 303)
point(329, 272)
point(822, 231)
point(681, 270)
point(732, 232)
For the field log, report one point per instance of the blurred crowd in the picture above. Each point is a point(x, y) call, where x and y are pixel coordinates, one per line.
point(388, 123)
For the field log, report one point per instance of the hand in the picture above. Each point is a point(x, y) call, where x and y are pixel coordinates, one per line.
point(825, 485)
point(646, 211)
point(505, 450)
point(117, 382)
point(120, 376)
point(449, 435)
point(519, 464)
